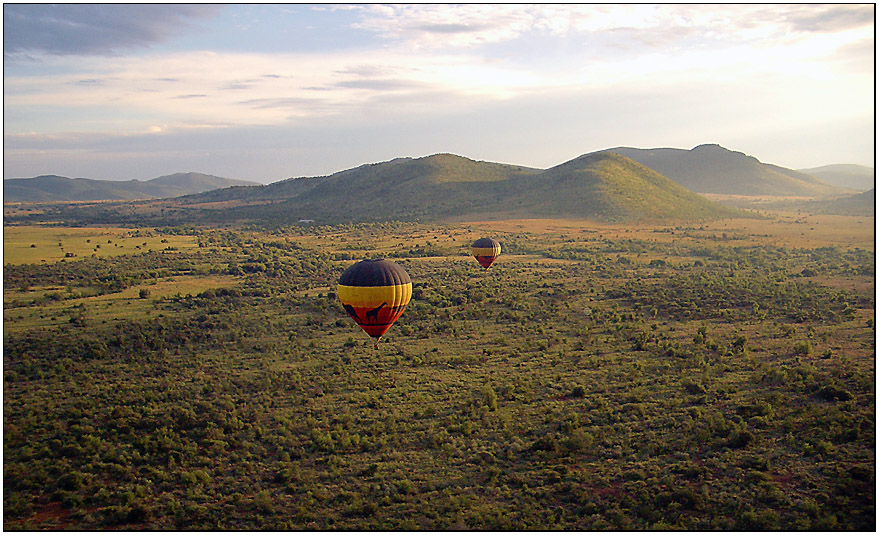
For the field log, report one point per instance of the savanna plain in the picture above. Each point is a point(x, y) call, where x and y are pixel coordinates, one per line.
point(707, 376)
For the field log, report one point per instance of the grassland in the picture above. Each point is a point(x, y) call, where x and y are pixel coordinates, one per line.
point(33, 244)
point(694, 376)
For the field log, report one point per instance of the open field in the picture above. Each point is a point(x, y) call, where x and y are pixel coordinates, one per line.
point(695, 376)
point(33, 244)
point(784, 229)
point(49, 307)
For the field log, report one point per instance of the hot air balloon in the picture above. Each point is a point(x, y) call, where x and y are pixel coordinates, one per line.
point(375, 293)
point(486, 250)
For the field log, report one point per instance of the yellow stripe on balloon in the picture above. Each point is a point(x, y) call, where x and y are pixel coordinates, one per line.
point(486, 251)
point(370, 296)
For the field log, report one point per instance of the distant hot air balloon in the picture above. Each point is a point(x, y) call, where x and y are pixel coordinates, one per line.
point(486, 250)
point(375, 293)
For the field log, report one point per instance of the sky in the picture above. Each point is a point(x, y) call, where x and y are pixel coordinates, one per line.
point(269, 92)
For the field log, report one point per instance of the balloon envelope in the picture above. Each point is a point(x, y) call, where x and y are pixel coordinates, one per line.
point(486, 250)
point(374, 293)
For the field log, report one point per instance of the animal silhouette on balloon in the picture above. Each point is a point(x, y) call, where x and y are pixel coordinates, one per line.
point(373, 314)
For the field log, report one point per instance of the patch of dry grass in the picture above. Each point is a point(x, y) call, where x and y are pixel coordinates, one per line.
point(38, 244)
point(124, 305)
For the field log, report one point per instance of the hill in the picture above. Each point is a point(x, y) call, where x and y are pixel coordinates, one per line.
point(857, 177)
point(863, 204)
point(713, 169)
point(431, 187)
point(609, 187)
point(600, 185)
point(53, 188)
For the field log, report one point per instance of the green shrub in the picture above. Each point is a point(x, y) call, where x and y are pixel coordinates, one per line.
point(833, 393)
point(545, 443)
point(803, 349)
point(578, 441)
point(693, 387)
point(490, 397)
point(263, 501)
point(764, 520)
point(740, 438)
point(72, 481)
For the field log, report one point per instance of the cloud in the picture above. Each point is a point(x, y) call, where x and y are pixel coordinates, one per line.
point(287, 103)
point(453, 28)
point(380, 85)
point(134, 91)
point(92, 29)
point(367, 70)
point(833, 18)
point(436, 26)
point(237, 86)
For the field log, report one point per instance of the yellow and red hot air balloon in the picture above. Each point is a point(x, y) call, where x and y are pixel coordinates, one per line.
point(375, 293)
point(486, 250)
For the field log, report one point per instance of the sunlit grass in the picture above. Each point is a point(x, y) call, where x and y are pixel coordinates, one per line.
point(38, 244)
point(125, 305)
point(788, 230)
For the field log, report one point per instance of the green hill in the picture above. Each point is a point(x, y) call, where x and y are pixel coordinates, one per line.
point(432, 187)
point(188, 183)
point(603, 186)
point(713, 169)
point(54, 188)
point(600, 185)
point(610, 187)
point(862, 204)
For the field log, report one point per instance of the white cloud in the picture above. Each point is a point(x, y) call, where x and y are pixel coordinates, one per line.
point(247, 88)
point(446, 26)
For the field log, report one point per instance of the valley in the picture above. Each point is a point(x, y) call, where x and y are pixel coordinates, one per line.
point(600, 375)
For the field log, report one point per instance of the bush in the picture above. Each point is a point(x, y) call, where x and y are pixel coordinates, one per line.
point(263, 502)
point(579, 441)
point(693, 387)
point(545, 443)
point(71, 481)
point(833, 393)
point(740, 343)
point(753, 521)
point(740, 438)
point(490, 397)
point(803, 349)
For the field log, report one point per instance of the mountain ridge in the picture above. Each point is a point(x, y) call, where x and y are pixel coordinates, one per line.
point(711, 168)
point(856, 177)
point(56, 188)
point(597, 185)
point(611, 187)
point(605, 185)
